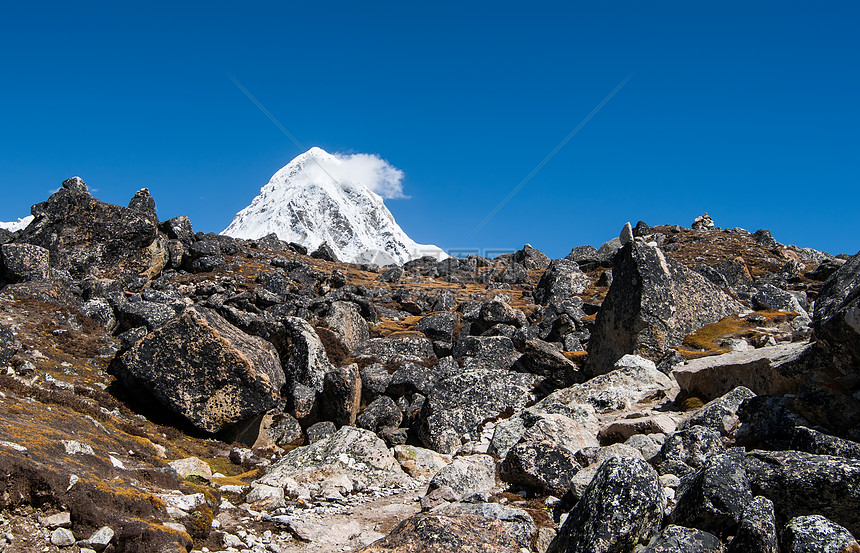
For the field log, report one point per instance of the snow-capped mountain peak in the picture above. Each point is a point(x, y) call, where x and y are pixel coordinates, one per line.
point(319, 197)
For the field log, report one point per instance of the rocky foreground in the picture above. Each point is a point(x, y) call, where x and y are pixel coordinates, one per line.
point(676, 390)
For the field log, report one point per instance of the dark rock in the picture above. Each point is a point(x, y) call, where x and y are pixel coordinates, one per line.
point(341, 395)
point(836, 315)
point(496, 352)
point(623, 506)
point(677, 539)
point(374, 381)
point(543, 359)
point(23, 262)
point(827, 400)
point(411, 378)
point(642, 229)
point(459, 405)
point(824, 269)
point(435, 533)
point(50, 290)
point(325, 253)
point(692, 446)
point(392, 275)
point(271, 242)
point(90, 238)
point(714, 498)
point(772, 298)
point(518, 523)
point(561, 280)
point(320, 431)
point(143, 202)
point(513, 274)
point(530, 258)
point(763, 238)
point(267, 431)
point(379, 414)
point(345, 318)
point(204, 369)
point(76, 185)
point(497, 311)
point(395, 349)
point(721, 414)
point(152, 315)
point(607, 252)
point(9, 346)
point(801, 483)
point(439, 326)
point(653, 304)
point(208, 263)
point(178, 228)
point(813, 441)
point(816, 534)
point(543, 466)
point(757, 530)
point(584, 256)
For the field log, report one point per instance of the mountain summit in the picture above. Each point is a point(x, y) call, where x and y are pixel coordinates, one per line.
point(317, 198)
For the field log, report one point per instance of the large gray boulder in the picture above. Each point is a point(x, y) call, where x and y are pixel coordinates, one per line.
point(837, 315)
point(350, 453)
point(459, 405)
point(622, 507)
point(774, 370)
point(23, 262)
point(561, 280)
point(345, 318)
point(204, 369)
point(677, 539)
point(654, 302)
point(757, 530)
point(816, 534)
point(802, 483)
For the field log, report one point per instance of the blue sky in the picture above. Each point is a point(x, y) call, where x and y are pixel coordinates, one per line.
point(746, 110)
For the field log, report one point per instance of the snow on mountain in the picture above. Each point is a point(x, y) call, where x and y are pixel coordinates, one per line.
point(12, 226)
point(319, 197)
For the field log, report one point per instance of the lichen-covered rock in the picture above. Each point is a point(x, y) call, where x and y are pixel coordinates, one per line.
point(837, 314)
point(380, 413)
point(622, 507)
point(561, 280)
point(204, 369)
point(486, 352)
point(774, 370)
point(307, 361)
point(466, 476)
point(541, 465)
point(91, 238)
point(351, 453)
point(721, 414)
point(460, 404)
point(692, 446)
point(436, 533)
point(152, 315)
point(678, 539)
point(543, 359)
point(518, 523)
point(801, 483)
point(653, 304)
point(439, 326)
point(341, 395)
point(344, 317)
point(714, 498)
point(757, 530)
point(816, 534)
point(23, 262)
point(395, 349)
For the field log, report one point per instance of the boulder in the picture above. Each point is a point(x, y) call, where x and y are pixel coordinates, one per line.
point(91, 238)
point(514, 273)
point(23, 262)
point(488, 352)
point(341, 395)
point(325, 252)
point(653, 304)
point(345, 318)
point(633, 380)
point(757, 530)
point(721, 414)
point(561, 280)
point(677, 539)
point(623, 506)
point(541, 465)
point(351, 453)
point(714, 498)
point(436, 533)
point(692, 446)
point(541, 358)
point(420, 463)
point(774, 370)
point(836, 317)
point(459, 405)
point(816, 534)
point(306, 359)
point(178, 228)
point(152, 315)
point(380, 413)
point(802, 483)
point(395, 349)
point(204, 369)
point(439, 326)
point(518, 523)
point(466, 476)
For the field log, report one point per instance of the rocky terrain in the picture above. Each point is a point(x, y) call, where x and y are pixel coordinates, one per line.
point(676, 390)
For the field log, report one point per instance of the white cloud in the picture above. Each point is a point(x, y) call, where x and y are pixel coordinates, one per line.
point(370, 170)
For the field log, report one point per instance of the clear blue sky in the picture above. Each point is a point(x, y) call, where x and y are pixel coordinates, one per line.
point(747, 110)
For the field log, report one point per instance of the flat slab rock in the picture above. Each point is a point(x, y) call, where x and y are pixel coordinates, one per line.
point(774, 370)
point(436, 533)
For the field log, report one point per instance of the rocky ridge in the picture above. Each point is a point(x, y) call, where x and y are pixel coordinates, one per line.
point(674, 390)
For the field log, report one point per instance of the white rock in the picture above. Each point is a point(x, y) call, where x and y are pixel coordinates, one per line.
point(62, 537)
point(75, 448)
point(191, 466)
